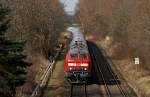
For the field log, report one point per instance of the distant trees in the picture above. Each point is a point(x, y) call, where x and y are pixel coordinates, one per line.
point(139, 30)
point(12, 66)
point(39, 22)
point(127, 22)
point(91, 17)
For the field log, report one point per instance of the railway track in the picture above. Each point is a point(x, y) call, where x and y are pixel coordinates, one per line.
point(81, 95)
point(40, 86)
point(102, 89)
point(101, 75)
point(108, 88)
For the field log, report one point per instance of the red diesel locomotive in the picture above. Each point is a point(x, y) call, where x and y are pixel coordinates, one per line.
point(78, 61)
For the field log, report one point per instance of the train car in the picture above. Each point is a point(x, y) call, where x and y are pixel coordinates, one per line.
point(78, 61)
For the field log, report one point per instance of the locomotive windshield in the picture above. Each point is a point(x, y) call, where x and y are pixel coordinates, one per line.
point(83, 56)
point(74, 56)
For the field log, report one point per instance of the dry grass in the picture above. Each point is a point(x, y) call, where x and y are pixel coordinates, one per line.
point(56, 86)
point(137, 76)
point(35, 73)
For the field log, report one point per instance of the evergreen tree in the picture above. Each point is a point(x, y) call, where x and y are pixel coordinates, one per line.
point(12, 66)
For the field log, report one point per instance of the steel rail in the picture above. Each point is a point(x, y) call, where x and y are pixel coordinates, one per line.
point(118, 85)
point(71, 93)
point(38, 89)
point(85, 91)
point(102, 76)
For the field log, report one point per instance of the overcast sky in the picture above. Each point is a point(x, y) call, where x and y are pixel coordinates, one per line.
point(70, 5)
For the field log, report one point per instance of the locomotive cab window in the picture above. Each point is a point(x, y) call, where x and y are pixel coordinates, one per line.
point(83, 56)
point(74, 56)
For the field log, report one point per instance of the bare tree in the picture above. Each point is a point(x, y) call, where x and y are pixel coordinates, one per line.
point(39, 22)
point(126, 21)
point(91, 17)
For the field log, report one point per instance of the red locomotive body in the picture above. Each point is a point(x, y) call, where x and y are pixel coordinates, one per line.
point(78, 61)
point(78, 67)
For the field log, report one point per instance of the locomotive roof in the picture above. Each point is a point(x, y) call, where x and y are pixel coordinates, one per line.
point(78, 43)
point(78, 48)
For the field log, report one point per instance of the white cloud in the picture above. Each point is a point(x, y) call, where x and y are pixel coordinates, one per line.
point(69, 5)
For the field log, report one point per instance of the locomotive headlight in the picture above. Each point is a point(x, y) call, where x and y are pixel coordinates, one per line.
point(71, 64)
point(84, 64)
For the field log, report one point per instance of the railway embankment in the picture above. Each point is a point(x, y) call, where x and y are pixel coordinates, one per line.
point(39, 76)
point(108, 76)
point(57, 85)
point(136, 76)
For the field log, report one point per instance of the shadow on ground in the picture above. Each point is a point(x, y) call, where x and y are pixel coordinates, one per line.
point(99, 62)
